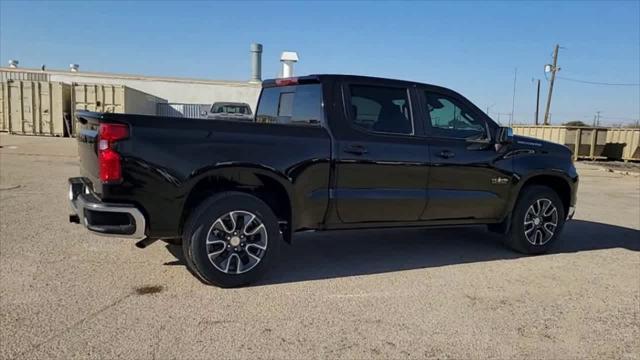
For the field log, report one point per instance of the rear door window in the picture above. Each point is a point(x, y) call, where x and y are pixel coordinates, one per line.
point(381, 109)
point(293, 105)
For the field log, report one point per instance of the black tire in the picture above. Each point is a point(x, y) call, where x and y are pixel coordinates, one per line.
point(521, 237)
point(199, 225)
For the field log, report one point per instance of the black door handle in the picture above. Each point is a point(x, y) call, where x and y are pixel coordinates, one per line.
point(356, 150)
point(446, 154)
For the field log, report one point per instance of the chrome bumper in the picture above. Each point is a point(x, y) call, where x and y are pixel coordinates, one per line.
point(85, 204)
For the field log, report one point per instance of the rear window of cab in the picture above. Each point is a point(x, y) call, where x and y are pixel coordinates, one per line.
point(292, 105)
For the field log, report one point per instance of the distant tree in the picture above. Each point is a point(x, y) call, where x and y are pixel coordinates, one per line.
point(575, 123)
point(635, 125)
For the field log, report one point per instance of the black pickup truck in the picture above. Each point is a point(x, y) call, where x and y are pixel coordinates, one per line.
point(324, 152)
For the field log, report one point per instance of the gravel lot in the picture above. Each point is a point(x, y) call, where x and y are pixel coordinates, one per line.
point(379, 294)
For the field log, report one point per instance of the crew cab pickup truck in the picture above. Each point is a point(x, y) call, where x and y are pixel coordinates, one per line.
point(324, 152)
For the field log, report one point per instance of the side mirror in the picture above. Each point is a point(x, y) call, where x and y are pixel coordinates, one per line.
point(504, 135)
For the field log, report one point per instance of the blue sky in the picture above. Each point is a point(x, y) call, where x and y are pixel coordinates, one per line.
point(472, 47)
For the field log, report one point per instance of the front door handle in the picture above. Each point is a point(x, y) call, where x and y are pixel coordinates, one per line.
point(356, 149)
point(446, 154)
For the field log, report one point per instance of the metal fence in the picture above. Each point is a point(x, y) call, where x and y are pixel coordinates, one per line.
point(197, 111)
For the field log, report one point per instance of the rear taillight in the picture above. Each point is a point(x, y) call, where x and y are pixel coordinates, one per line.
point(108, 158)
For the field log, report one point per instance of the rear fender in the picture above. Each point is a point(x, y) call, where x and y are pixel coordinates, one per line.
point(267, 183)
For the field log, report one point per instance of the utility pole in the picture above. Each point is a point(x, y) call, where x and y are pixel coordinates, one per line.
point(553, 69)
point(513, 99)
point(537, 102)
point(596, 119)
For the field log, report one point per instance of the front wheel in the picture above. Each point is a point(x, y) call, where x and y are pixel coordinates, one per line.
point(231, 239)
point(537, 220)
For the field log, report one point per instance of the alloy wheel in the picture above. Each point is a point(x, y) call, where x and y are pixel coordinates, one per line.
point(236, 242)
point(540, 221)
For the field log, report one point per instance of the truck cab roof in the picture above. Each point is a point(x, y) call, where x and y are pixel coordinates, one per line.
point(317, 78)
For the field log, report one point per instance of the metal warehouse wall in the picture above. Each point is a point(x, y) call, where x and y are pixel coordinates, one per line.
point(178, 90)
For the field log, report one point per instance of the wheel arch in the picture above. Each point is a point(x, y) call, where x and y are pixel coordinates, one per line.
point(558, 183)
point(266, 184)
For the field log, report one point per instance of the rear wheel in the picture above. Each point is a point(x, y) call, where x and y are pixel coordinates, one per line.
point(231, 239)
point(537, 220)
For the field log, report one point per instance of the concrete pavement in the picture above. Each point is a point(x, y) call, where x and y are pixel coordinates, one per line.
point(358, 294)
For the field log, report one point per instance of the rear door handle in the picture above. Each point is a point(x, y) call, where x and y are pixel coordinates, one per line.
point(356, 150)
point(446, 154)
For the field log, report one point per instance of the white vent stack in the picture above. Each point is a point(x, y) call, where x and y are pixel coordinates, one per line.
point(288, 58)
point(256, 63)
point(74, 67)
point(13, 64)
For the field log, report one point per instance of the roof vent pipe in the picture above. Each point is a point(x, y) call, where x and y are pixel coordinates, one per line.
point(13, 64)
point(74, 67)
point(288, 58)
point(256, 63)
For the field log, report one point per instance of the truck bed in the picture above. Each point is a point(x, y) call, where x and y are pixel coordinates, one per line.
point(164, 158)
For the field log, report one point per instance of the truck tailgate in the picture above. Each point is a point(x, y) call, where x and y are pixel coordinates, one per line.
point(88, 124)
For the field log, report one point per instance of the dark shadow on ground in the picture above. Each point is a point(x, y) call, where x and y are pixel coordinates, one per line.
point(324, 255)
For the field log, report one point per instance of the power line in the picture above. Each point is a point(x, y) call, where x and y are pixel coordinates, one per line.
point(586, 115)
point(596, 82)
point(619, 118)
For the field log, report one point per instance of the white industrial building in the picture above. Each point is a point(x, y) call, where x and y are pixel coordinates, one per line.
point(174, 90)
point(43, 101)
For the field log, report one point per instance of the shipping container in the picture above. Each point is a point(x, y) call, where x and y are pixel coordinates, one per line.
point(197, 111)
point(35, 107)
point(113, 99)
point(20, 74)
point(584, 142)
point(554, 134)
point(4, 119)
point(623, 144)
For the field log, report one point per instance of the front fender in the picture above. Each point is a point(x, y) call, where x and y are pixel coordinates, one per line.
point(543, 168)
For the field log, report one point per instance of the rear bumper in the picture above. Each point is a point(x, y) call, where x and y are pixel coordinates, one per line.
point(108, 219)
